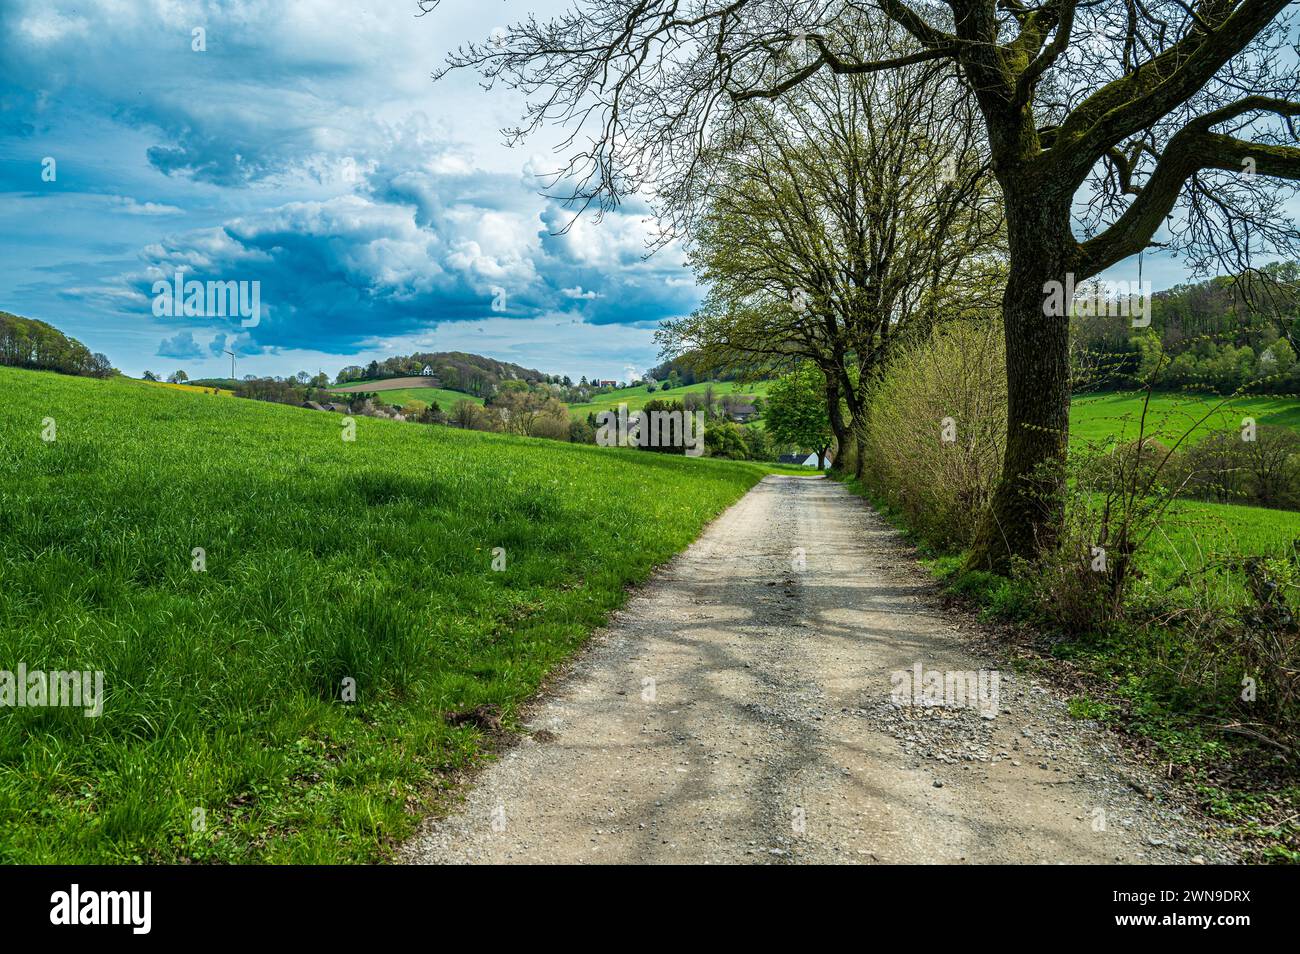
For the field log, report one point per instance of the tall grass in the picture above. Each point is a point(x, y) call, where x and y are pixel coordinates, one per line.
point(224, 734)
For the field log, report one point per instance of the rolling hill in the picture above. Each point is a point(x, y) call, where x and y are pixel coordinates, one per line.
point(636, 398)
point(401, 390)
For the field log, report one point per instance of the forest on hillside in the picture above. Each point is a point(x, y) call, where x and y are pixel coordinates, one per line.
point(28, 343)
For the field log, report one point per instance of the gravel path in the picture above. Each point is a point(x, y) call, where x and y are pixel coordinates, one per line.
point(739, 709)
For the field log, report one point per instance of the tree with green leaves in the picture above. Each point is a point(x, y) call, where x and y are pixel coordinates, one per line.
point(846, 213)
point(796, 412)
point(1103, 118)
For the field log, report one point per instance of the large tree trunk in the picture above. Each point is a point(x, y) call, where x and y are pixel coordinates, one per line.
point(857, 432)
point(839, 427)
point(1027, 507)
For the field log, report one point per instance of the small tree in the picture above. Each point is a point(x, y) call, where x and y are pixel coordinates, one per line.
point(657, 431)
point(465, 413)
point(726, 439)
point(1266, 462)
point(796, 411)
point(432, 414)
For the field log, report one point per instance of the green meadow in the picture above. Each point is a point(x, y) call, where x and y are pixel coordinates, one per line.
point(1194, 534)
point(237, 571)
point(426, 396)
point(1197, 537)
point(1101, 417)
point(636, 398)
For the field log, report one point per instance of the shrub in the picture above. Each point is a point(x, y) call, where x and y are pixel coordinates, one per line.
point(662, 438)
point(1116, 498)
point(953, 377)
point(1265, 635)
point(581, 432)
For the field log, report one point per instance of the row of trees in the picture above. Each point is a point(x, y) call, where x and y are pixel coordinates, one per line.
point(847, 215)
point(1086, 126)
point(524, 412)
point(1205, 336)
point(1264, 471)
point(288, 390)
point(1221, 368)
point(28, 343)
point(534, 414)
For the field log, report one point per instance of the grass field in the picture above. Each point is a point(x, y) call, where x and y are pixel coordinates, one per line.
point(1194, 533)
point(400, 396)
point(192, 388)
point(225, 734)
point(1098, 417)
point(636, 398)
point(1197, 535)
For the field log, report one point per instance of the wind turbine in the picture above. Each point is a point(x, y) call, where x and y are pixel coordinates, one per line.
point(232, 364)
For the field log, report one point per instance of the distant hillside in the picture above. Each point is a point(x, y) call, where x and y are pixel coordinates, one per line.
point(400, 391)
point(689, 370)
point(454, 370)
point(28, 343)
point(636, 398)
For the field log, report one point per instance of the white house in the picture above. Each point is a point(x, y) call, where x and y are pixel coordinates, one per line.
point(806, 460)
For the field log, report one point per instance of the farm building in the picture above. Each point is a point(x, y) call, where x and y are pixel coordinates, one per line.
point(806, 459)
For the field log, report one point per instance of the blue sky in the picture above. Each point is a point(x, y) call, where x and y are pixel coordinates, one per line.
point(306, 148)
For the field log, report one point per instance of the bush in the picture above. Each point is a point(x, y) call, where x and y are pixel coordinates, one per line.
point(1264, 471)
point(664, 439)
point(1265, 636)
point(949, 385)
point(726, 439)
point(581, 432)
point(432, 415)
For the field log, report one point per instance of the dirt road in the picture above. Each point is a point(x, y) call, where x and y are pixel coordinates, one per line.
point(739, 709)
